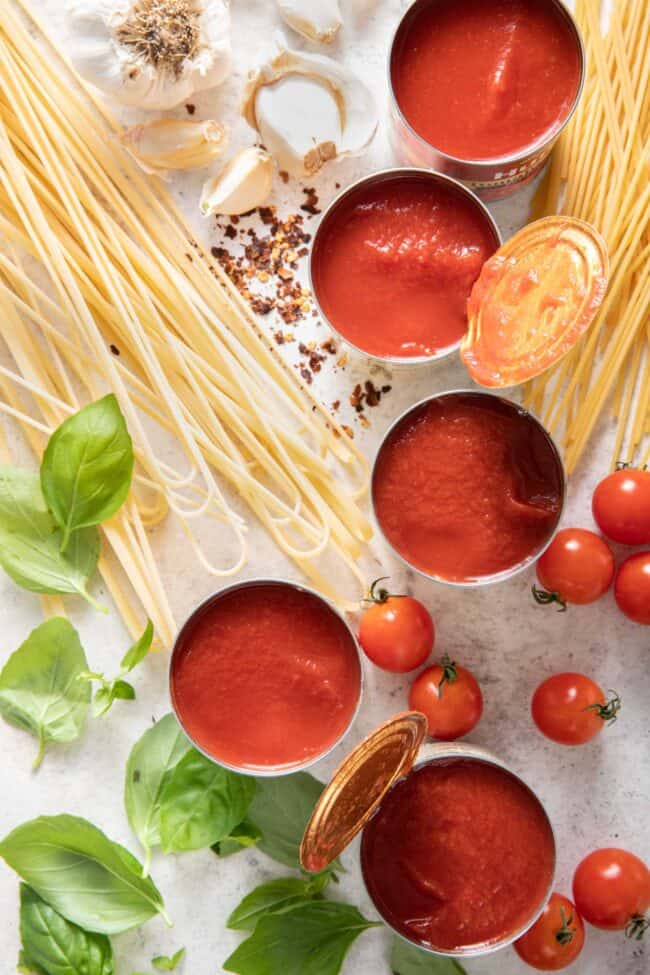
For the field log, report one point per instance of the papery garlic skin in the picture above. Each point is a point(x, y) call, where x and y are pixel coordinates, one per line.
point(317, 20)
point(169, 144)
point(244, 184)
point(308, 110)
point(151, 54)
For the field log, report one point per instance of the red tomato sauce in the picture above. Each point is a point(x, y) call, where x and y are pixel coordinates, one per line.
point(394, 262)
point(482, 79)
point(459, 854)
point(265, 675)
point(467, 486)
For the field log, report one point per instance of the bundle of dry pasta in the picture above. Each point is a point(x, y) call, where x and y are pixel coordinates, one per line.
point(600, 171)
point(96, 259)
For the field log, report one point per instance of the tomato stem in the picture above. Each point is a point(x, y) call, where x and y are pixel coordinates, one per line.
point(449, 673)
point(545, 598)
point(637, 926)
point(565, 934)
point(381, 595)
point(609, 710)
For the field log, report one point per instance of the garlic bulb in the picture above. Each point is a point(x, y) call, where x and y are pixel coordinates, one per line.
point(317, 20)
point(169, 143)
point(151, 54)
point(308, 109)
point(242, 185)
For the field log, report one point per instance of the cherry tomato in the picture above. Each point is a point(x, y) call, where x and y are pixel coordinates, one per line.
point(571, 708)
point(396, 632)
point(555, 939)
point(450, 697)
point(621, 506)
point(611, 888)
point(577, 567)
point(632, 587)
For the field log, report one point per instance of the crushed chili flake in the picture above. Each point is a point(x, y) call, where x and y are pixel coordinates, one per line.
point(190, 109)
point(114, 349)
point(335, 405)
point(310, 205)
point(284, 176)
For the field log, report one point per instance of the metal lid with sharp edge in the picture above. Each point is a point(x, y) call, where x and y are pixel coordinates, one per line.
point(358, 787)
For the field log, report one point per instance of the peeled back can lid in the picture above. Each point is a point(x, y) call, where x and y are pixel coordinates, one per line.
point(358, 787)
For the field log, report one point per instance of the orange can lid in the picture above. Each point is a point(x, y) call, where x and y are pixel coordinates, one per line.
point(358, 787)
point(534, 299)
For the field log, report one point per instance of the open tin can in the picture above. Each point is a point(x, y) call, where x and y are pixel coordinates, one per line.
point(534, 444)
point(491, 179)
point(380, 772)
point(265, 716)
point(357, 193)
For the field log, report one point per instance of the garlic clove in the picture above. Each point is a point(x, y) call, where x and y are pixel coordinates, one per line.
point(308, 109)
point(317, 20)
point(165, 144)
point(151, 54)
point(242, 185)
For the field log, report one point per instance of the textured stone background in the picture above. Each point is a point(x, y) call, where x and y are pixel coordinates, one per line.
point(596, 795)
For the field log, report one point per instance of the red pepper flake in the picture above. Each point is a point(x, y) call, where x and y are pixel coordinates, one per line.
point(114, 349)
point(190, 109)
point(230, 232)
point(311, 203)
point(335, 405)
point(284, 176)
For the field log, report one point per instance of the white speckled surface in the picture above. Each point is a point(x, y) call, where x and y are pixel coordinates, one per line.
point(596, 795)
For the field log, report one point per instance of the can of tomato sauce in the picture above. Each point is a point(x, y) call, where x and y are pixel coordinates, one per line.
point(265, 677)
point(457, 851)
point(481, 89)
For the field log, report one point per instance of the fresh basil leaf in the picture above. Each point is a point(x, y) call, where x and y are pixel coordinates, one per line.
point(242, 837)
point(281, 809)
point(109, 692)
point(27, 967)
point(139, 650)
point(165, 963)
point(152, 760)
point(30, 542)
point(39, 687)
point(90, 880)
point(56, 945)
point(274, 896)
point(312, 939)
point(406, 959)
point(123, 691)
point(202, 803)
point(87, 467)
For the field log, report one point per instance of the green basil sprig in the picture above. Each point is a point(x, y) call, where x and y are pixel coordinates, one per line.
point(242, 837)
point(311, 939)
point(152, 760)
point(54, 946)
point(276, 896)
point(167, 963)
point(87, 467)
point(117, 688)
point(406, 959)
point(281, 809)
point(40, 690)
point(31, 543)
point(201, 803)
point(92, 881)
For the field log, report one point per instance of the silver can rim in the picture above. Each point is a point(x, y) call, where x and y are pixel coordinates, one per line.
point(443, 751)
point(386, 175)
point(496, 577)
point(265, 771)
point(544, 142)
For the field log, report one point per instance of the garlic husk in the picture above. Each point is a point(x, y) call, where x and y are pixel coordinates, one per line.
point(308, 110)
point(152, 54)
point(242, 185)
point(168, 144)
point(317, 20)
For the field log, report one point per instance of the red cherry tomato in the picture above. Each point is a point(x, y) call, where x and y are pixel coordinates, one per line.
point(571, 708)
point(632, 587)
point(396, 632)
point(611, 888)
point(555, 939)
point(450, 697)
point(621, 506)
point(577, 567)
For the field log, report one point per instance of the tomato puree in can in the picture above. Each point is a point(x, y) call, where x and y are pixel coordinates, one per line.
point(467, 486)
point(459, 854)
point(485, 79)
point(394, 261)
point(265, 675)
